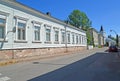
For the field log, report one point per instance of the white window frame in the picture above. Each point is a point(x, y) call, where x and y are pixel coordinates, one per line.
point(77, 39)
point(47, 27)
point(36, 24)
point(19, 19)
point(63, 39)
point(3, 27)
point(73, 38)
point(68, 38)
point(80, 42)
point(56, 34)
point(4, 15)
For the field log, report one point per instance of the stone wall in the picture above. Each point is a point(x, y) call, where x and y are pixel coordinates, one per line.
point(41, 52)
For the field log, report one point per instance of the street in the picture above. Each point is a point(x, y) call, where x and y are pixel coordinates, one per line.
point(90, 65)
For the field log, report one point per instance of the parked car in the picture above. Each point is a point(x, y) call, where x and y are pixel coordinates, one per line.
point(113, 49)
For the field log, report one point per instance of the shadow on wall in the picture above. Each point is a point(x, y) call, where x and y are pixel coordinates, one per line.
point(73, 72)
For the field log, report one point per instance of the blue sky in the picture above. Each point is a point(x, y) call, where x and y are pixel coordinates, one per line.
point(100, 12)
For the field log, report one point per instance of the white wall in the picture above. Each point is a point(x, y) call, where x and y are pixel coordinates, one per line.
point(11, 37)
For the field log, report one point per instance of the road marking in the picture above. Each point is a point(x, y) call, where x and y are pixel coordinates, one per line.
point(5, 78)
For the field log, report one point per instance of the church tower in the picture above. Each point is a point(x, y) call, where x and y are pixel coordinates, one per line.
point(102, 32)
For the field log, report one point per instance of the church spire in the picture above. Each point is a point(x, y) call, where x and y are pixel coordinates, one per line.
point(101, 29)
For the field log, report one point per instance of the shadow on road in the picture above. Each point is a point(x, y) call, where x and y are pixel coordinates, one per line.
point(87, 69)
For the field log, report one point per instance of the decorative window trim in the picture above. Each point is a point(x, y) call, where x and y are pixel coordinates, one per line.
point(68, 31)
point(4, 13)
point(20, 41)
point(62, 30)
point(36, 42)
point(56, 29)
point(21, 18)
point(36, 22)
point(47, 26)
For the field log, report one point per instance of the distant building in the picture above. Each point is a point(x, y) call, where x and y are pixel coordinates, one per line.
point(110, 42)
point(94, 35)
point(98, 38)
point(102, 32)
point(101, 39)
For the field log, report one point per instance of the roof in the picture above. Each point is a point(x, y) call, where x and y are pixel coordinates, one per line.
point(22, 7)
point(94, 30)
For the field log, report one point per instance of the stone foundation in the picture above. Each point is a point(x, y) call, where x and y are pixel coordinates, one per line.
point(41, 52)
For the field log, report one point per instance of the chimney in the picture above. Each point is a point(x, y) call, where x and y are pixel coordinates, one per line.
point(48, 13)
point(12, 0)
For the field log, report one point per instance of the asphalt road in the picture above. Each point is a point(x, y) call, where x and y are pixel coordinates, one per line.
point(92, 65)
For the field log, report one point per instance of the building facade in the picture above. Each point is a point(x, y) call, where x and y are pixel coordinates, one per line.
point(101, 39)
point(94, 35)
point(97, 38)
point(22, 27)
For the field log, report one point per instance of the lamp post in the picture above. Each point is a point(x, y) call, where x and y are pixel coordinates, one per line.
point(116, 36)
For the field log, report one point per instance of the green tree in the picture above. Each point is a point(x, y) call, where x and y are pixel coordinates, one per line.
point(79, 19)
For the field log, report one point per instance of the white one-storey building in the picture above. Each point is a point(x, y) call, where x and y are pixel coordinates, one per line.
point(27, 32)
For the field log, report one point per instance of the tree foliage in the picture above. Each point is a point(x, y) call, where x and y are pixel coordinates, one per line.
point(79, 19)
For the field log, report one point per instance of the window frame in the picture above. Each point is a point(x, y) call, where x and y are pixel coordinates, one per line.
point(24, 21)
point(38, 25)
point(4, 15)
point(47, 40)
point(3, 28)
point(63, 39)
point(73, 38)
point(68, 38)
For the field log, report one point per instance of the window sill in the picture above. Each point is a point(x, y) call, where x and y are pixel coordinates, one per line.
point(36, 42)
point(62, 42)
point(68, 43)
point(2, 40)
point(56, 42)
point(20, 41)
point(48, 42)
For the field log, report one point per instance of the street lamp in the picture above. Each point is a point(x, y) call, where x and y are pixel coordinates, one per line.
point(116, 36)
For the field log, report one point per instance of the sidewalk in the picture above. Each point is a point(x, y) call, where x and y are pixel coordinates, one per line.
point(13, 61)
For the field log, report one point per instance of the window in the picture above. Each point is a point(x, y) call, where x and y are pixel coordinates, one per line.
point(68, 37)
point(2, 28)
point(48, 38)
point(21, 31)
point(76, 39)
point(80, 39)
point(63, 37)
point(73, 39)
point(56, 36)
point(36, 33)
